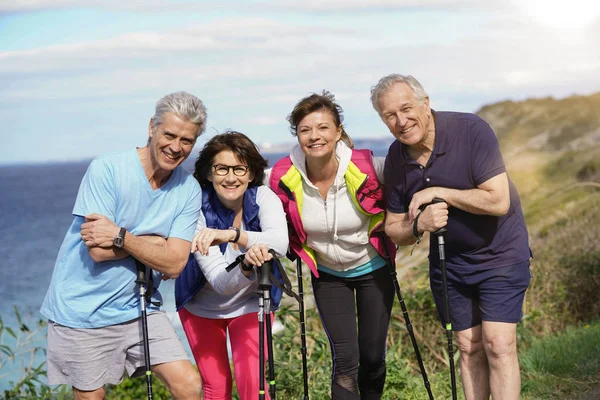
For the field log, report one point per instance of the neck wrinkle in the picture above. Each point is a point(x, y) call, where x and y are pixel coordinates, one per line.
point(156, 179)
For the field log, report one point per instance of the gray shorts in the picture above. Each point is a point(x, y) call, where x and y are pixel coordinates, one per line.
point(87, 359)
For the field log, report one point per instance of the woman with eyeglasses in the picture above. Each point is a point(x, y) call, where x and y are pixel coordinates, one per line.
point(239, 215)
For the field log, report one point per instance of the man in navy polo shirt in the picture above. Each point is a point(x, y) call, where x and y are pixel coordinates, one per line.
point(456, 157)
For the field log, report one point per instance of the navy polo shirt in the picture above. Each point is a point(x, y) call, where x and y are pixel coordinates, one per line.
point(466, 154)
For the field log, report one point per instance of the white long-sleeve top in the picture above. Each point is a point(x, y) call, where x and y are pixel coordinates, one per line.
point(231, 294)
point(336, 230)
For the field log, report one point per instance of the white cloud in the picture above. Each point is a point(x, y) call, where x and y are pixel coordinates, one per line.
point(251, 70)
point(10, 6)
point(362, 6)
point(146, 6)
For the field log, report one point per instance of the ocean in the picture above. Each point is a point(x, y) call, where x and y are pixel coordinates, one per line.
point(36, 202)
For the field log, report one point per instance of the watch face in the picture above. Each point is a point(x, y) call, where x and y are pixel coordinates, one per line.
point(118, 242)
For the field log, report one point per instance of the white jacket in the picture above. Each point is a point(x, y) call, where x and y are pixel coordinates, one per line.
point(335, 229)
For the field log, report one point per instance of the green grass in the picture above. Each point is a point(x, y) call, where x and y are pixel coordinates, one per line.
point(563, 365)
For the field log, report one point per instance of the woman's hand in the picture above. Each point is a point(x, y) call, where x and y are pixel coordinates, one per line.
point(208, 237)
point(257, 255)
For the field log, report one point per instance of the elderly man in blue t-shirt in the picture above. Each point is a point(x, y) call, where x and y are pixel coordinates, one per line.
point(140, 204)
point(455, 157)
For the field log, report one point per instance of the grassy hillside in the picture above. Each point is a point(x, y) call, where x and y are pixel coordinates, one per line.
point(552, 151)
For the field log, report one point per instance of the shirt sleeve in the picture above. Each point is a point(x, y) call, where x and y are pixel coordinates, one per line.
point(272, 223)
point(213, 267)
point(185, 223)
point(379, 164)
point(486, 159)
point(394, 183)
point(97, 191)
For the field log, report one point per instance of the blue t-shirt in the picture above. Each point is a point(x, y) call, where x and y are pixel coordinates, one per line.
point(86, 294)
point(465, 155)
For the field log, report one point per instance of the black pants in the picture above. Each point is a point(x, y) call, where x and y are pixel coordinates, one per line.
point(358, 355)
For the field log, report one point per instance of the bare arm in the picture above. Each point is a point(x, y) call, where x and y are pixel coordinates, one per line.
point(100, 254)
point(492, 197)
point(165, 256)
point(399, 228)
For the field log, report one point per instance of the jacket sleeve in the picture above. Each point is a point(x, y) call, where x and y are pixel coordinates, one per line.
point(379, 164)
point(267, 177)
point(272, 222)
point(213, 267)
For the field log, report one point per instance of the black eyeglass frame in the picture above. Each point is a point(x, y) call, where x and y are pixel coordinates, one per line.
point(224, 167)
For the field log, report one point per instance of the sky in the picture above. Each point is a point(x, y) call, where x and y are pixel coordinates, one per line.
point(81, 77)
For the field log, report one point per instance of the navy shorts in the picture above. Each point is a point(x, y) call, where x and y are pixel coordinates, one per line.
point(493, 294)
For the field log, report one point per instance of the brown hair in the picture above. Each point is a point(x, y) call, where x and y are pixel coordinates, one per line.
point(243, 148)
point(316, 102)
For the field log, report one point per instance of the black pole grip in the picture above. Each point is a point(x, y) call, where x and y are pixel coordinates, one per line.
point(264, 272)
point(440, 231)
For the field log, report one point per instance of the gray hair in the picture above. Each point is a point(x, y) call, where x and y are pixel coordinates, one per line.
point(385, 85)
point(186, 106)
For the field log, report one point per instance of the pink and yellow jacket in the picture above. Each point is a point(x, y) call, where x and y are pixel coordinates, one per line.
point(366, 194)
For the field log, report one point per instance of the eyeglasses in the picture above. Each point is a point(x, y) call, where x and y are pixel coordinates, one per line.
point(223, 170)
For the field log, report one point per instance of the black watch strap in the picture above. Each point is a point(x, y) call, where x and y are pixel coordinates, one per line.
point(237, 234)
point(119, 240)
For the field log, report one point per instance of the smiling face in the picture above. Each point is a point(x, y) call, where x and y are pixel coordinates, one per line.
point(171, 143)
point(407, 118)
point(230, 188)
point(318, 134)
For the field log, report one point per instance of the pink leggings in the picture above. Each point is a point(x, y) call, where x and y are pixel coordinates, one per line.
point(208, 340)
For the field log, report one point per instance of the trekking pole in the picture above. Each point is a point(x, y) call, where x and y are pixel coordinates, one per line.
point(265, 284)
point(266, 280)
point(302, 326)
point(409, 326)
point(447, 323)
point(264, 306)
point(142, 281)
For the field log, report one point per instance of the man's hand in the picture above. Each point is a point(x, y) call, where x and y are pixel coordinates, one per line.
point(98, 231)
point(424, 196)
point(208, 237)
point(433, 217)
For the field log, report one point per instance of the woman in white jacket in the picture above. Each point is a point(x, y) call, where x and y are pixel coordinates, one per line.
point(333, 201)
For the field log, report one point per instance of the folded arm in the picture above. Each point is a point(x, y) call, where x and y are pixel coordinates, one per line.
point(167, 256)
point(492, 197)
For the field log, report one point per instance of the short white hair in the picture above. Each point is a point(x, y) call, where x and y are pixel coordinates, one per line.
point(385, 85)
point(186, 106)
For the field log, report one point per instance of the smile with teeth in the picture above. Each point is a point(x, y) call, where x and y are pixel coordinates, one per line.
point(171, 156)
point(407, 129)
point(316, 145)
point(230, 187)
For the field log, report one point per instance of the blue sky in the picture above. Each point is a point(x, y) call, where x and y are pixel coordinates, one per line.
point(80, 77)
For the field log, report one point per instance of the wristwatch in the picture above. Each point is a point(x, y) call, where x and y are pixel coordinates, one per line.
point(237, 234)
point(119, 240)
